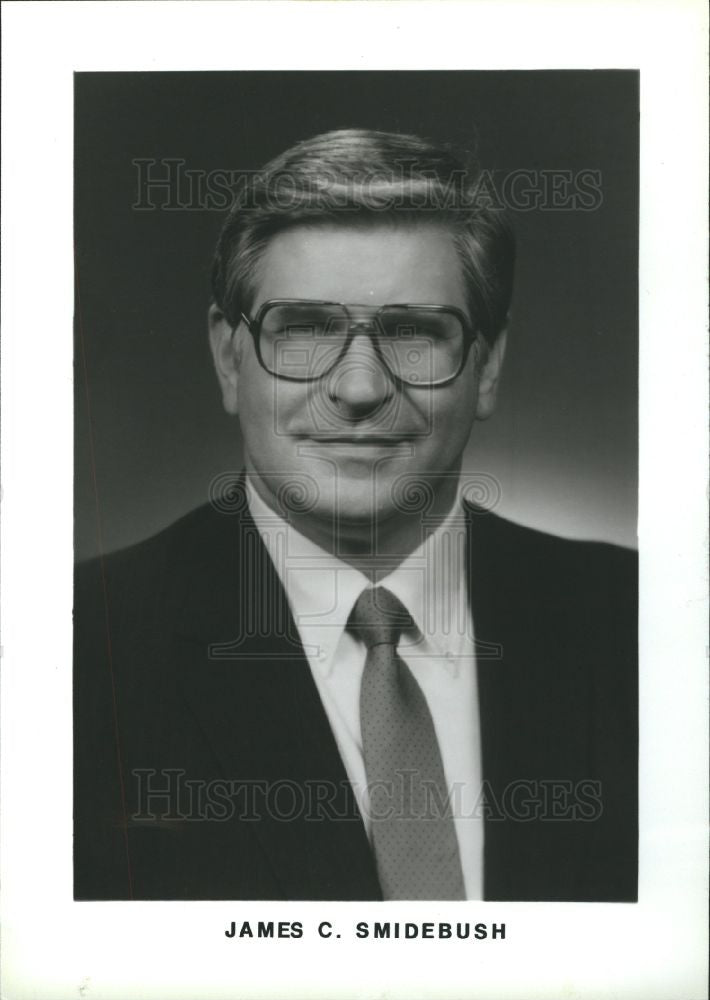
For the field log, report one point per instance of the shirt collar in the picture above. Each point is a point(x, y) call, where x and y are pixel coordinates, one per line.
point(322, 589)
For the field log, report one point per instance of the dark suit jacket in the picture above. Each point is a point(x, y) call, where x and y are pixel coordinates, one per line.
point(188, 668)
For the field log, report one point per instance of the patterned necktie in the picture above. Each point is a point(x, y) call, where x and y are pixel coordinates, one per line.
point(413, 832)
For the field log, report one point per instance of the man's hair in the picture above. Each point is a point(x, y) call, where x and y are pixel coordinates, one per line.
point(357, 177)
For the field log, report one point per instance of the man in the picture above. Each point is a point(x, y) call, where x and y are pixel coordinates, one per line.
point(342, 679)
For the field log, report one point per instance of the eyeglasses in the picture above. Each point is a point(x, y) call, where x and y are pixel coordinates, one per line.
point(302, 340)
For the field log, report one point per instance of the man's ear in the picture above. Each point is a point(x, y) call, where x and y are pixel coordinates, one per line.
point(226, 353)
point(490, 375)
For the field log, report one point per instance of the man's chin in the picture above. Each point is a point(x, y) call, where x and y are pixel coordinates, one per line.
point(354, 511)
point(353, 506)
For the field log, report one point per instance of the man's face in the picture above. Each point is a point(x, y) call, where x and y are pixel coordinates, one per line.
point(349, 438)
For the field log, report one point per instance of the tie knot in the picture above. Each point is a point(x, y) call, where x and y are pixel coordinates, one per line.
point(378, 617)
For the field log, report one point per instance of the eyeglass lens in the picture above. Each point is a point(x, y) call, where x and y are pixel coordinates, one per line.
point(305, 340)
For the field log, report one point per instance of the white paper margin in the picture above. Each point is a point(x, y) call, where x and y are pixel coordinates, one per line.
point(55, 948)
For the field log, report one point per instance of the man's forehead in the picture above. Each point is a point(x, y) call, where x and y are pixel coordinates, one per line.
point(375, 263)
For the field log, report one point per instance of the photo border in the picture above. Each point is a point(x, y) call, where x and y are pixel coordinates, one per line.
point(54, 947)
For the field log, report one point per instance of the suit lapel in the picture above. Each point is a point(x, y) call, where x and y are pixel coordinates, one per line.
point(531, 727)
point(246, 679)
point(494, 697)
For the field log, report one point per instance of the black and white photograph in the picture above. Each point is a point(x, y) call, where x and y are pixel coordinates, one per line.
point(320, 653)
point(354, 584)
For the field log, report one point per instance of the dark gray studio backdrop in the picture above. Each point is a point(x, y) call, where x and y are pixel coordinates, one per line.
point(150, 431)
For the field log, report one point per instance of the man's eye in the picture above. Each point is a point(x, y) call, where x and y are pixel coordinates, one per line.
point(422, 330)
point(317, 329)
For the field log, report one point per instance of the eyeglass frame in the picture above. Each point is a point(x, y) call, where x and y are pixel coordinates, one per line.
point(470, 333)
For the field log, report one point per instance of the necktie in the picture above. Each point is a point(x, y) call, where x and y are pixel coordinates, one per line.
point(413, 833)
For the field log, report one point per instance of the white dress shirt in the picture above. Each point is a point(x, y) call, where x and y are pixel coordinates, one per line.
point(431, 584)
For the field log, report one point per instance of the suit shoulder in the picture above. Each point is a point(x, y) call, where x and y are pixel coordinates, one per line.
point(167, 547)
point(532, 548)
point(148, 580)
point(578, 585)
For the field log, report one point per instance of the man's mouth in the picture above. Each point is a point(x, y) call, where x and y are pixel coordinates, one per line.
point(357, 440)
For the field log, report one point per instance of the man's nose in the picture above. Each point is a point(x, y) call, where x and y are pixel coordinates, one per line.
point(359, 384)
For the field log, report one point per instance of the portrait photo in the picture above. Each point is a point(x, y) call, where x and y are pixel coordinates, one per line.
point(356, 473)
